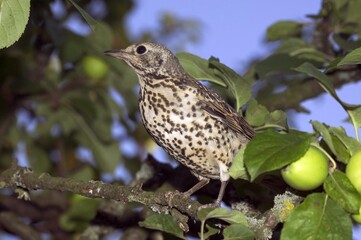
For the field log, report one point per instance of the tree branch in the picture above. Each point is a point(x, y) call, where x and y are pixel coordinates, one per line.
point(24, 178)
point(295, 94)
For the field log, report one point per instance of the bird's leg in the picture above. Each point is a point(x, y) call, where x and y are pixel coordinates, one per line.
point(217, 203)
point(221, 193)
point(189, 192)
point(196, 187)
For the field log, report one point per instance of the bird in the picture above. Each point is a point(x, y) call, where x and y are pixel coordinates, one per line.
point(192, 123)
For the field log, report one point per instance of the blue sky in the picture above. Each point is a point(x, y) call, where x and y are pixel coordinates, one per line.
point(234, 31)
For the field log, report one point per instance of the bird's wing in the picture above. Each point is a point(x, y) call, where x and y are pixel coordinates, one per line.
point(229, 117)
point(218, 108)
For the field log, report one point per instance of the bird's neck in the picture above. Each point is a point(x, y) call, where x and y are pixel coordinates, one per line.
point(160, 79)
point(152, 83)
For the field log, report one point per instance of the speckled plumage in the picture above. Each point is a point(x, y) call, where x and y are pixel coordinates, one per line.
point(192, 123)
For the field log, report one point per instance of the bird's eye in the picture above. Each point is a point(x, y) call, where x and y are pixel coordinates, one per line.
point(141, 49)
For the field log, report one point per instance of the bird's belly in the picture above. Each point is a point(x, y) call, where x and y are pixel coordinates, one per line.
point(192, 137)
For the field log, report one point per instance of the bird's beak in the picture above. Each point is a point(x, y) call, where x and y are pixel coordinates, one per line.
point(117, 53)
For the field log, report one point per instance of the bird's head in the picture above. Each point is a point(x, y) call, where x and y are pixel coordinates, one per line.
point(149, 60)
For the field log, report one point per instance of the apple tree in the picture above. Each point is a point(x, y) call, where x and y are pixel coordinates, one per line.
point(75, 158)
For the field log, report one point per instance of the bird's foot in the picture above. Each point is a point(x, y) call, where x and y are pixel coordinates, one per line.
point(170, 196)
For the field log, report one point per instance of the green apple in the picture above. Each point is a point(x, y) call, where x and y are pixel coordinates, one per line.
point(353, 170)
point(94, 67)
point(308, 172)
point(357, 217)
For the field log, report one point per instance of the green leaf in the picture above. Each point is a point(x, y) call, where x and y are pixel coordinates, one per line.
point(82, 104)
point(15, 135)
point(291, 45)
point(211, 231)
point(347, 45)
point(334, 143)
point(354, 111)
point(337, 140)
point(270, 150)
point(340, 189)
point(290, 54)
point(239, 87)
point(203, 213)
point(317, 218)
point(343, 155)
point(85, 173)
point(102, 129)
point(238, 232)
point(310, 54)
point(100, 39)
point(322, 129)
point(354, 57)
point(14, 15)
point(256, 113)
point(283, 29)
point(107, 156)
point(53, 119)
point(72, 49)
point(232, 216)
point(199, 68)
point(351, 144)
point(351, 18)
point(277, 118)
point(320, 77)
point(163, 222)
point(80, 213)
point(38, 157)
point(339, 4)
point(276, 63)
point(91, 21)
point(237, 169)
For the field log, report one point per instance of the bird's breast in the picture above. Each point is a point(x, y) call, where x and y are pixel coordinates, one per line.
point(179, 124)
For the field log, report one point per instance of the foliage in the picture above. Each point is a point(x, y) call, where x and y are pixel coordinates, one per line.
point(13, 20)
point(62, 119)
